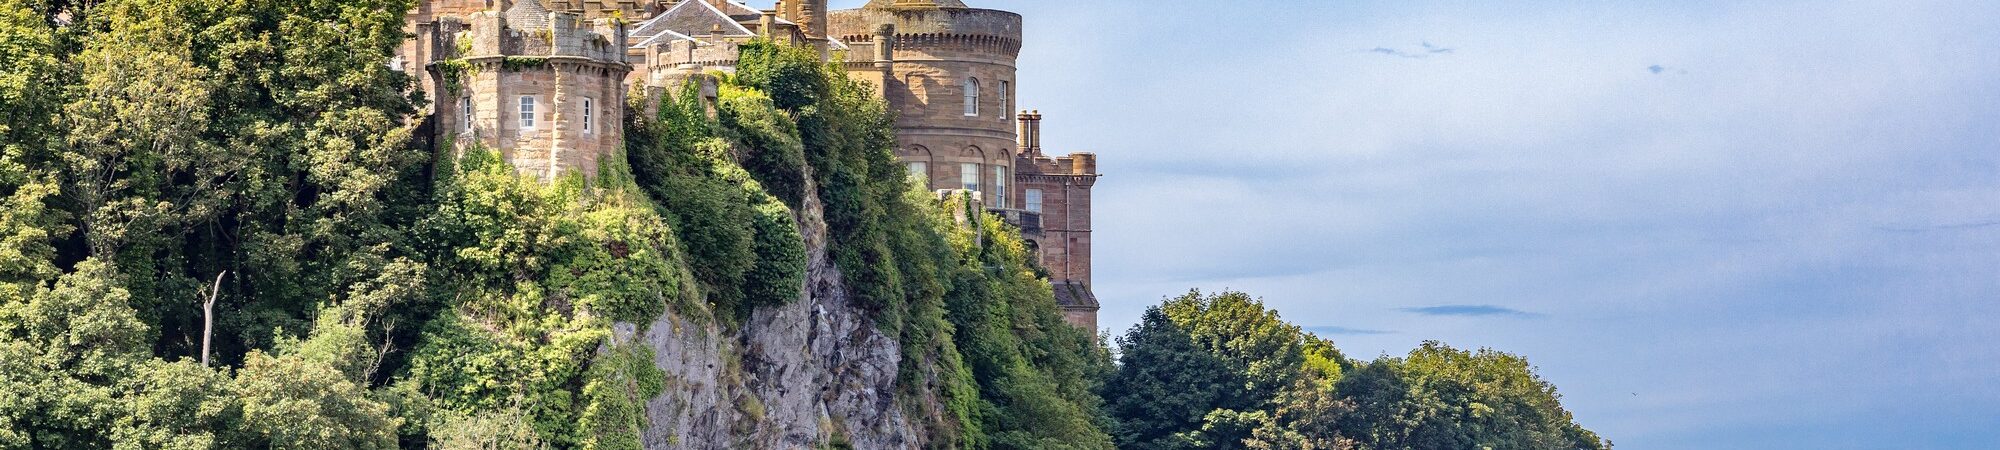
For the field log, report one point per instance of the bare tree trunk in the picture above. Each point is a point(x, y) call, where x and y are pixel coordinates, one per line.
point(208, 316)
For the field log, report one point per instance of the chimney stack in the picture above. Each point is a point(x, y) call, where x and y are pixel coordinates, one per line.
point(812, 18)
point(767, 24)
point(1031, 133)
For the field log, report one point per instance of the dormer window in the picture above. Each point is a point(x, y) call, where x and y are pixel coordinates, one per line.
point(971, 97)
point(527, 112)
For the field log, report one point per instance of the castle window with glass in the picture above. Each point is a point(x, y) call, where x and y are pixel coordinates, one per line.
point(527, 112)
point(1000, 186)
point(1034, 201)
point(1006, 93)
point(971, 97)
point(968, 176)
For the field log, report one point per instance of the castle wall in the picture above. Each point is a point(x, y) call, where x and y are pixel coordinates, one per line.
point(1064, 240)
point(1081, 318)
point(934, 52)
point(573, 71)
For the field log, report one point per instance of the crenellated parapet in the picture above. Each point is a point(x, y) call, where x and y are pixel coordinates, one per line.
point(545, 89)
point(554, 35)
point(998, 45)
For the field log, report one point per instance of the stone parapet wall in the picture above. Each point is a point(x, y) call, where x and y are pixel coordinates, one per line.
point(939, 21)
point(568, 35)
point(574, 71)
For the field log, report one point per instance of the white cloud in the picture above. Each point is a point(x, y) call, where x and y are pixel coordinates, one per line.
point(1720, 241)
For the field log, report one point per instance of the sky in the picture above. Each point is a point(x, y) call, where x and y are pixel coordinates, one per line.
point(1715, 225)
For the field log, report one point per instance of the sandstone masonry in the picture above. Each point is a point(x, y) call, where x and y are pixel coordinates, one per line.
point(545, 86)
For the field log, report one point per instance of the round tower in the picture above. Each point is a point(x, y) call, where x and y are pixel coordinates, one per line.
point(947, 70)
point(543, 89)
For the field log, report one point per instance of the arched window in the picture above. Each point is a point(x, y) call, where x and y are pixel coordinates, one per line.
point(971, 97)
point(921, 173)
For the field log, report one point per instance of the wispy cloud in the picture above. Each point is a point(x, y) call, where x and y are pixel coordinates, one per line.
point(1334, 330)
point(1657, 69)
point(1947, 227)
point(1428, 50)
point(1469, 311)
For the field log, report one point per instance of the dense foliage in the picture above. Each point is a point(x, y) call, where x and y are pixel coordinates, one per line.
point(371, 292)
point(1221, 371)
point(984, 347)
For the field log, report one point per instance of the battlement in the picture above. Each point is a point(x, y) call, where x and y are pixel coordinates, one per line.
point(602, 8)
point(543, 88)
point(948, 28)
point(494, 35)
point(1000, 45)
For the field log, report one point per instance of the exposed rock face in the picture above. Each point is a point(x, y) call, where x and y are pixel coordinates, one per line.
point(793, 377)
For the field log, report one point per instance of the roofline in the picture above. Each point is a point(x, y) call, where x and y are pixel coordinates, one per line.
point(717, 11)
point(664, 34)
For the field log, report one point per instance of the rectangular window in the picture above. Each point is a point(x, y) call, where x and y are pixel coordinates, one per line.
point(968, 176)
point(1006, 108)
point(921, 173)
point(465, 107)
point(589, 114)
point(971, 97)
point(1000, 186)
point(1034, 201)
point(527, 112)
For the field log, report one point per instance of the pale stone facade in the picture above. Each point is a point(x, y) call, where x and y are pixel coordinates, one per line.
point(543, 89)
point(547, 90)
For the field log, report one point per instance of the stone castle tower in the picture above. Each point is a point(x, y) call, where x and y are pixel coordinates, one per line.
point(948, 71)
point(545, 85)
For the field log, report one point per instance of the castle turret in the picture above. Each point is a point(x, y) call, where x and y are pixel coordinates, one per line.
point(543, 89)
point(950, 80)
point(947, 70)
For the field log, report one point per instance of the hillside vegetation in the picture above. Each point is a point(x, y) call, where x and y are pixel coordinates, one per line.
point(221, 230)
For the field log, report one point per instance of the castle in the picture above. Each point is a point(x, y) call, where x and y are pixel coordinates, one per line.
point(545, 85)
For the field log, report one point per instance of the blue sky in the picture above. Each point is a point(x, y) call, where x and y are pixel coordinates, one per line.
point(1717, 225)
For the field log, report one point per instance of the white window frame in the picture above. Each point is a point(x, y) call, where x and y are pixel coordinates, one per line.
point(469, 114)
point(971, 97)
point(1000, 186)
point(1034, 201)
point(589, 114)
point(968, 176)
point(528, 112)
point(921, 172)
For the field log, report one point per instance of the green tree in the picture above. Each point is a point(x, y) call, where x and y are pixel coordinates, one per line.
point(1219, 371)
point(1441, 397)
